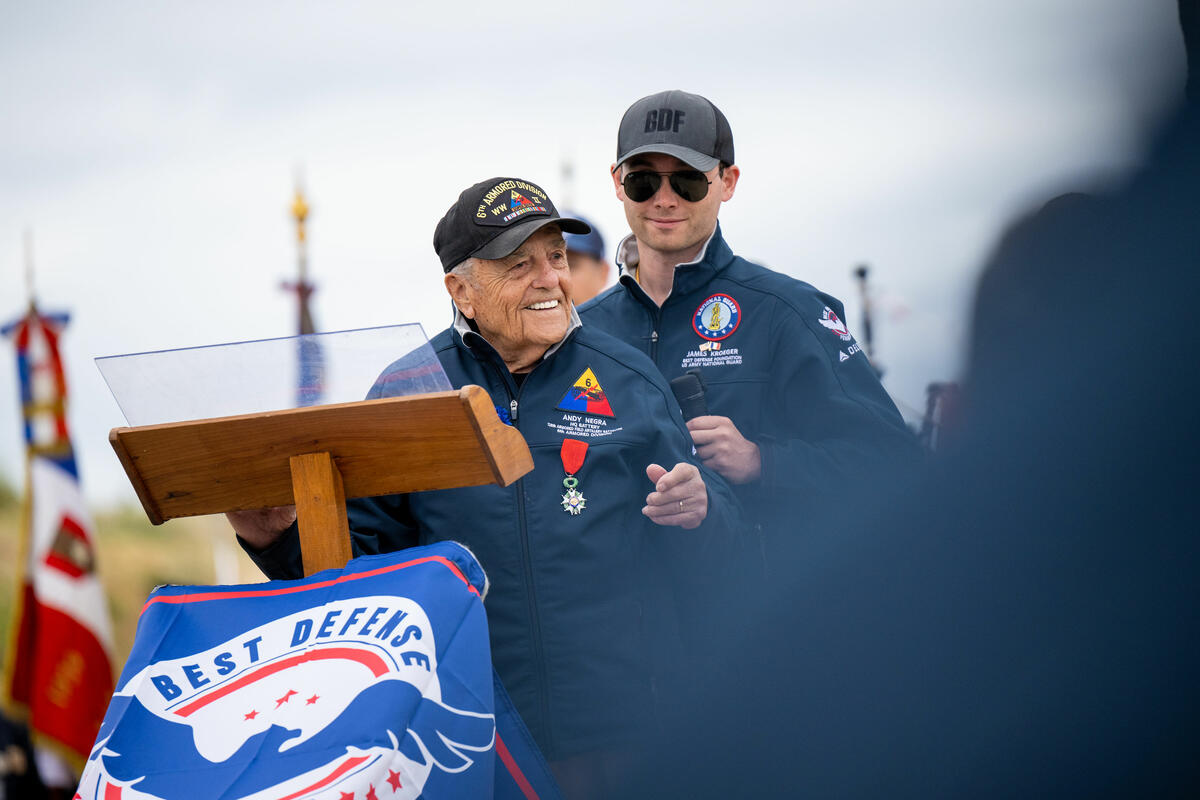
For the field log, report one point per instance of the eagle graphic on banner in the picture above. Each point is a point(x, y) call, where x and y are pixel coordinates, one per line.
point(370, 682)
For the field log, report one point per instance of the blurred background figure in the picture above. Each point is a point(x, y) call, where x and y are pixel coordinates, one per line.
point(1022, 621)
point(18, 767)
point(589, 270)
point(58, 776)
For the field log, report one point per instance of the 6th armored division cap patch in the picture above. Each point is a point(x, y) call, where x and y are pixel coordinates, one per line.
point(493, 218)
point(510, 199)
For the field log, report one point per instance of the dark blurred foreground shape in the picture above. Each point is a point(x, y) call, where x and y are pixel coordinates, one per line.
point(18, 767)
point(1025, 620)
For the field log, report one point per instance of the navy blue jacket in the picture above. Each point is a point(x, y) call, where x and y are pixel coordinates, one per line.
point(778, 360)
point(582, 609)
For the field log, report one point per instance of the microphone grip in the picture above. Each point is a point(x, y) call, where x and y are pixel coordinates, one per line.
point(689, 392)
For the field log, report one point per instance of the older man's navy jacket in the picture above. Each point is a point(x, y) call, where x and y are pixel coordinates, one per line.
point(582, 608)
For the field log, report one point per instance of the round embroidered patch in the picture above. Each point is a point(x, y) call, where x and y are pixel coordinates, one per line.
point(717, 317)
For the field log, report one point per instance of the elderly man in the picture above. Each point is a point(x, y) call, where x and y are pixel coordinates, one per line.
point(580, 552)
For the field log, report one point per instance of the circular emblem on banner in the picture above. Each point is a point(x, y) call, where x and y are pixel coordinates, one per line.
point(717, 317)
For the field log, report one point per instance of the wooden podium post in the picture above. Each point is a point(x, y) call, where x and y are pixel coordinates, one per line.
point(319, 457)
point(320, 511)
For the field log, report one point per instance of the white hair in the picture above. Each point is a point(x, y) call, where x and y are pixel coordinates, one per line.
point(465, 269)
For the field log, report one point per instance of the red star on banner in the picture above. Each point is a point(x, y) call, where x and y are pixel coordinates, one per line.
point(251, 715)
point(312, 700)
point(394, 780)
point(371, 794)
point(347, 796)
point(285, 698)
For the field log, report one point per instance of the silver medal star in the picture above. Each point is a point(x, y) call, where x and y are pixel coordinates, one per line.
point(573, 502)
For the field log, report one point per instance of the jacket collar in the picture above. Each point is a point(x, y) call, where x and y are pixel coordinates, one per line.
point(481, 348)
point(714, 257)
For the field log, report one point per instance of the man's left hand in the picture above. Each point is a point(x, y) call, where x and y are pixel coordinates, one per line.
point(722, 447)
point(679, 497)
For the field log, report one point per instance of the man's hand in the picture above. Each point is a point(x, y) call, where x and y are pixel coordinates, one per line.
point(722, 447)
point(679, 497)
point(261, 527)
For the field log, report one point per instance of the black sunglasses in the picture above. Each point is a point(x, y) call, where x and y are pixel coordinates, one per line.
point(642, 184)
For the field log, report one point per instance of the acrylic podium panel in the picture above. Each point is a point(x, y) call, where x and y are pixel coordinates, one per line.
point(224, 380)
point(316, 456)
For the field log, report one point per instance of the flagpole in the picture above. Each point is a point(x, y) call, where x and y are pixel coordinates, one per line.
point(23, 574)
point(57, 675)
point(18, 709)
point(567, 171)
point(310, 372)
point(29, 266)
point(861, 272)
point(302, 287)
point(27, 493)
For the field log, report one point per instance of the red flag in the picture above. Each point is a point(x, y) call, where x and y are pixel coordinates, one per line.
point(58, 671)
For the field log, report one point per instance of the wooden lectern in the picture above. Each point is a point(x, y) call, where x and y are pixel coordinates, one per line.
point(318, 457)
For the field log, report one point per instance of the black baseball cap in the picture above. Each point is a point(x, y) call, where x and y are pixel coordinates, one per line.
point(493, 218)
point(679, 124)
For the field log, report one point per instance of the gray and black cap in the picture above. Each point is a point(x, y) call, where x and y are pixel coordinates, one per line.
point(493, 218)
point(679, 124)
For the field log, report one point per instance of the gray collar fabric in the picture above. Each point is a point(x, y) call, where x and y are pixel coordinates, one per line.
point(464, 327)
point(627, 253)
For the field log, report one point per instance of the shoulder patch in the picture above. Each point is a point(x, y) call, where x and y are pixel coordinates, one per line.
point(586, 396)
point(831, 321)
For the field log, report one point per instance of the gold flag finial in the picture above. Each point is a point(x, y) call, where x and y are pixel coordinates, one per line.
point(301, 287)
point(300, 212)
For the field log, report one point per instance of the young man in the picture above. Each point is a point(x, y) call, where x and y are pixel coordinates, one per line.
point(796, 411)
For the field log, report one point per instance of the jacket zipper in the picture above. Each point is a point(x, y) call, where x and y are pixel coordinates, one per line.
point(654, 312)
point(543, 681)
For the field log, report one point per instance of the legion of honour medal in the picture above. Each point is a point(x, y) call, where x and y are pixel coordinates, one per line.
point(573, 452)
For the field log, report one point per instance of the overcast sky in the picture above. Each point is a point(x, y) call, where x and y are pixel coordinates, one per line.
point(152, 150)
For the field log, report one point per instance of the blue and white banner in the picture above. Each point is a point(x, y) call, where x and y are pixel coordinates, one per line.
point(370, 682)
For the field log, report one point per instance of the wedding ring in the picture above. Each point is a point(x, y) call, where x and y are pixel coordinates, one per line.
point(680, 506)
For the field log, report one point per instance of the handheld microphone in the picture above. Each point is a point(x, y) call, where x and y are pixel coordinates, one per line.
point(689, 392)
